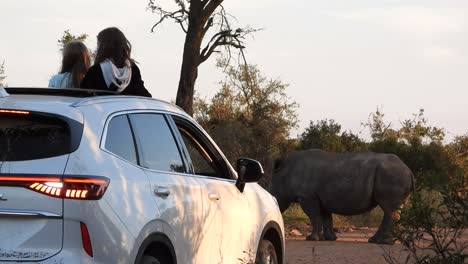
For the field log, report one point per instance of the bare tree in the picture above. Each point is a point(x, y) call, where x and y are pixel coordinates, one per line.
point(196, 18)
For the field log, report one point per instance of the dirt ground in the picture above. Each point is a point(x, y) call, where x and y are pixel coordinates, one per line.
point(351, 247)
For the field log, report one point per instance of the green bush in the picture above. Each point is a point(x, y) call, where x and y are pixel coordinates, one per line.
point(431, 225)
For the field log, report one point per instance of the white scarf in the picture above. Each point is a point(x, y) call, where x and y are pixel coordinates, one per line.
point(120, 77)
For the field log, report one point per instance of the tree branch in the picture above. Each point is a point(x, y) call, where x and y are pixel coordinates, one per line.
point(209, 7)
point(179, 16)
point(204, 2)
point(181, 4)
point(183, 27)
point(208, 25)
point(208, 50)
point(216, 37)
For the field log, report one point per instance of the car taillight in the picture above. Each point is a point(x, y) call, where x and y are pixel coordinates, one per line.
point(68, 187)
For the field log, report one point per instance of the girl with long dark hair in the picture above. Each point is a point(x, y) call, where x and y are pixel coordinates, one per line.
point(114, 69)
point(75, 63)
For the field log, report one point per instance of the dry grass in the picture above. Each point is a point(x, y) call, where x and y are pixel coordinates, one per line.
point(295, 216)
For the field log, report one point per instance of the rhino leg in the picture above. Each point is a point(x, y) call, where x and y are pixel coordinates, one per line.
point(390, 207)
point(384, 234)
point(312, 209)
point(328, 232)
point(389, 193)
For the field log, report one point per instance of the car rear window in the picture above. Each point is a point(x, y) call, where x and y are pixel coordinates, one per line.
point(29, 136)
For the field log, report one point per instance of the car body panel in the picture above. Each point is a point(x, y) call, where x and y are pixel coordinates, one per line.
point(201, 228)
point(182, 213)
point(22, 208)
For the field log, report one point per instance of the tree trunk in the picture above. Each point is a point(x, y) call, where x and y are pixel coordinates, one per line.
point(191, 59)
point(188, 76)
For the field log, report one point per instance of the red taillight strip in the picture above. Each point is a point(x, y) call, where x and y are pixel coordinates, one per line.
point(7, 111)
point(70, 187)
point(92, 181)
point(28, 179)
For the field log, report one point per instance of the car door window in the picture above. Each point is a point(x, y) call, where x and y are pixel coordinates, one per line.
point(202, 162)
point(119, 139)
point(156, 144)
point(205, 160)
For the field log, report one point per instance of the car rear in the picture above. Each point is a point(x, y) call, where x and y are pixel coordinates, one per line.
point(36, 137)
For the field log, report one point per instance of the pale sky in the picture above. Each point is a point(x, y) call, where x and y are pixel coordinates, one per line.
point(341, 58)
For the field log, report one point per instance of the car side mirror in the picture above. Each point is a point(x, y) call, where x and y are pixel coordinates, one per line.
point(248, 170)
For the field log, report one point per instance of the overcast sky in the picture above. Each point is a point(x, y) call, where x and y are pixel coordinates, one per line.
point(341, 58)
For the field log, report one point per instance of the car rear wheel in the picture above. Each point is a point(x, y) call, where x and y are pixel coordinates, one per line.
point(147, 259)
point(266, 253)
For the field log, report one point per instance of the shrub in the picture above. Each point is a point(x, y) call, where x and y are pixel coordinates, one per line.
point(432, 224)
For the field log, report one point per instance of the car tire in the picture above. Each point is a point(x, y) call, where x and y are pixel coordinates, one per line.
point(266, 253)
point(147, 259)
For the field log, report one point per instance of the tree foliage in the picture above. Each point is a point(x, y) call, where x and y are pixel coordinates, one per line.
point(2, 74)
point(379, 129)
point(416, 130)
point(417, 143)
point(326, 135)
point(251, 116)
point(458, 150)
point(68, 36)
point(197, 19)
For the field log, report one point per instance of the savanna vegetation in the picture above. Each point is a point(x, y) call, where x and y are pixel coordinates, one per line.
point(251, 115)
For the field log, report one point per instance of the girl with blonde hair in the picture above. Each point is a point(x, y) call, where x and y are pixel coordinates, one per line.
point(75, 63)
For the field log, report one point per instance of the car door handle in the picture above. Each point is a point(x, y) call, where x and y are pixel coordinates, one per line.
point(214, 196)
point(161, 191)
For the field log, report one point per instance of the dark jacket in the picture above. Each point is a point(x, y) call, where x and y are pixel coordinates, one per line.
point(94, 79)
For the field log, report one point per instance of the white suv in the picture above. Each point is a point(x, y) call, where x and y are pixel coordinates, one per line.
point(121, 179)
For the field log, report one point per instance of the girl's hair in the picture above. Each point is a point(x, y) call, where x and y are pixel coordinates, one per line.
point(76, 61)
point(112, 44)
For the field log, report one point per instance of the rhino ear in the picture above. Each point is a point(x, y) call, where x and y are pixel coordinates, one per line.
point(277, 164)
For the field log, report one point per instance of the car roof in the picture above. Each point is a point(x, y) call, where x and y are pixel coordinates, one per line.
point(80, 97)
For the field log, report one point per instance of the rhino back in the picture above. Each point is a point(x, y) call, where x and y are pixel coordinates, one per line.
point(344, 182)
point(318, 167)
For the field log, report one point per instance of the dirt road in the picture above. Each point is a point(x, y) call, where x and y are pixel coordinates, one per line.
point(350, 248)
